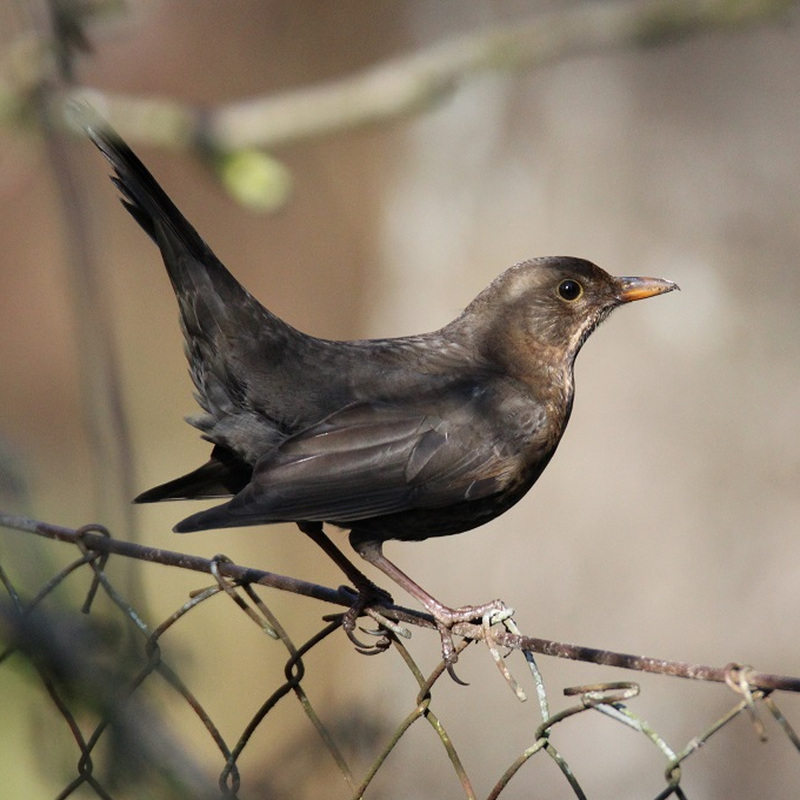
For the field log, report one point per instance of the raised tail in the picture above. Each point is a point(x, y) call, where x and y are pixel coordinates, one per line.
point(160, 218)
point(211, 300)
point(230, 336)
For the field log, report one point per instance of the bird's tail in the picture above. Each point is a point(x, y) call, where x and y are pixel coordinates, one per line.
point(229, 335)
point(223, 475)
point(210, 299)
point(158, 216)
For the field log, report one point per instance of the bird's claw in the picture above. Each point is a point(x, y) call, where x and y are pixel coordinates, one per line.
point(364, 602)
point(487, 615)
point(382, 644)
point(489, 621)
point(452, 673)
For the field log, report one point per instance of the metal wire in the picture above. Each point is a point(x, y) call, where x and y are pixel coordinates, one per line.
point(108, 708)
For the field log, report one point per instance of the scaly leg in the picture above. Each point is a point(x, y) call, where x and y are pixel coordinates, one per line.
point(445, 616)
point(368, 592)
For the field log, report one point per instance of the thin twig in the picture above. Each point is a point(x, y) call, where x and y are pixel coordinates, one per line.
point(412, 83)
point(102, 407)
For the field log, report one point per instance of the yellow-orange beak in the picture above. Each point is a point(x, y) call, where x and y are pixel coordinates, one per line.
point(639, 288)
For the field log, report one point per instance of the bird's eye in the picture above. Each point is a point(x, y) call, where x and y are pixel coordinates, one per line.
point(570, 290)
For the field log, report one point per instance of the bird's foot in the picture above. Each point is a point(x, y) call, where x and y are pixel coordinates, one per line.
point(367, 600)
point(487, 615)
point(367, 595)
point(446, 618)
point(491, 639)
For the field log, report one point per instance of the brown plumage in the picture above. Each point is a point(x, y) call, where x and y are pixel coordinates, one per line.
point(401, 438)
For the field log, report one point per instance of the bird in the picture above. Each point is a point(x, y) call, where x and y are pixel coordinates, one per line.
point(400, 438)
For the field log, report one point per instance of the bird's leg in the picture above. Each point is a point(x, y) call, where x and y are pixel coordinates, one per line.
point(368, 592)
point(445, 616)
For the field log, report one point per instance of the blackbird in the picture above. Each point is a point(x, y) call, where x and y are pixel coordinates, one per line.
point(403, 438)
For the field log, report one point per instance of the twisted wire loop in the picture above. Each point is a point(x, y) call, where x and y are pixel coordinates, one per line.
point(737, 678)
point(101, 560)
point(102, 706)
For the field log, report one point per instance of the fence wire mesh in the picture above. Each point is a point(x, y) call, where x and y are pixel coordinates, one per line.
point(97, 668)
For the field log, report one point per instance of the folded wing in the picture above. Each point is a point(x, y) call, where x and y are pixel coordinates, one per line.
point(373, 459)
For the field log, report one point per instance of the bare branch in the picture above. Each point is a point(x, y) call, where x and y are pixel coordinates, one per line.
point(409, 84)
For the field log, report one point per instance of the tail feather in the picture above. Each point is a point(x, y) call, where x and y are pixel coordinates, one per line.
point(223, 475)
point(160, 218)
point(143, 197)
point(236, 348)
point(211, 519)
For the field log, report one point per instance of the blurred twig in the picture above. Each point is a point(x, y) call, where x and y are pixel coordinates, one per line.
point(408, 84)
point(13, 482)
point(102, 405)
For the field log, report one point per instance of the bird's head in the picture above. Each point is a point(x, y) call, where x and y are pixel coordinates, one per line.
point(537, 314)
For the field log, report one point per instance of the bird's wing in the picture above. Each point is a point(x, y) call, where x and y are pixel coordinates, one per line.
point(371, 459)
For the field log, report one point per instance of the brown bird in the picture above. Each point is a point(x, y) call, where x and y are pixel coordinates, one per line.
point(401, 438)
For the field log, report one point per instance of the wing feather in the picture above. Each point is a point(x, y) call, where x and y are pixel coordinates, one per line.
point(372, 459)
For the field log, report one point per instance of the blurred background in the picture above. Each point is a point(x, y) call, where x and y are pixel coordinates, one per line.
point(667, 523)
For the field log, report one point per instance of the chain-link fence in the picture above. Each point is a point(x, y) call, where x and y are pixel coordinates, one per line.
point(103, 676)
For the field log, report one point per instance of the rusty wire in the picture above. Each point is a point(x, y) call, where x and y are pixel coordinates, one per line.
point(119, 704)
